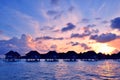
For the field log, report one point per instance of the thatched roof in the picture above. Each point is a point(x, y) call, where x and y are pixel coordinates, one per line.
point(71, 53)
point(52, 53)
point(12, 53)
point(33, 54)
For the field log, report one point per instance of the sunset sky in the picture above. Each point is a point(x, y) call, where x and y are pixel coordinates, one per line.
point(60, 25)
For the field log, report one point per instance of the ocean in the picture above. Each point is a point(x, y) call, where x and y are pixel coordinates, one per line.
point(81, 70)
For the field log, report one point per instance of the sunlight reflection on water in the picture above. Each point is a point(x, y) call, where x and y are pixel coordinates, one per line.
point(81, 70)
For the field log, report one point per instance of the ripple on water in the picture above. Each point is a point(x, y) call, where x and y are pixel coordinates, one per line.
point(82, 70)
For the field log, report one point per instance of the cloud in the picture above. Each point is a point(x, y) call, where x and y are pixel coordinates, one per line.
point(58, 15)
point(85, 46)
point(69, 27)
point(77, 35)
point(55, 2)
point(57, 30)
point(74, 35)
point(52, 12)
point(115, 23)
point(91, 25)
point(45, 38)
point(21, 45)
point(60, 38)
point(4, 37)
point(104, 37)
point(105, 22)
point(74, 43)
point(1, 32)
point(87, 32)
point(48, 38)
point(25, 23)
point(98, 18)
point(25, 44)
point(46, 28)
point(85, 20)
point(53, 47)
point(95, 31)
point(71, 8)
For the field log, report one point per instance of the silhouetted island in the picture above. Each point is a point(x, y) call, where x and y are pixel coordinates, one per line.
point(53, 56)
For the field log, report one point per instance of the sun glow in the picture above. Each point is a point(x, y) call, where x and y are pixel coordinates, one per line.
point(104, 48)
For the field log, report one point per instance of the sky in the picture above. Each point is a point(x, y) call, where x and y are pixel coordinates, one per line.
point(61, 25)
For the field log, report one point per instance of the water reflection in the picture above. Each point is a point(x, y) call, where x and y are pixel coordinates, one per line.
point(101, 70)
point(108, 70)
point(62, 71)
point(81, 70)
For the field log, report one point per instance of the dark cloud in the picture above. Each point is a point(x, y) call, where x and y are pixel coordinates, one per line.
point(58, 15)
point(77, 35)
point(85, 20)
point(1, 32)
point(115, 23)
point(45, 38)
point(61, 38)
point(46, 28)
point(105, 22)
point(104, 37)
point(52, 12)
point(85, 46)
point(53, 47)
point(69, 27)
point(98, 18)
point(55, 13)
point(74, 43)
point(87, 32)
point(48, 38)
point(95, 31)
point(71, 8)
point(91, 25)
point(55, 2)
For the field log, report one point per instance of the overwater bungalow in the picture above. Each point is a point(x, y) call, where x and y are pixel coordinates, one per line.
point(12, 56)
point(71, 56)
point(89, 56)
point(52, 56)
point(33, 56)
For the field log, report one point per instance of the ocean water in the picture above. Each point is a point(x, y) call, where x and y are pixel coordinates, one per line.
point(81, 70)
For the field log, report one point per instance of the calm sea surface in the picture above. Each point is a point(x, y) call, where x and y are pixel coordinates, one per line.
point(81, 70)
